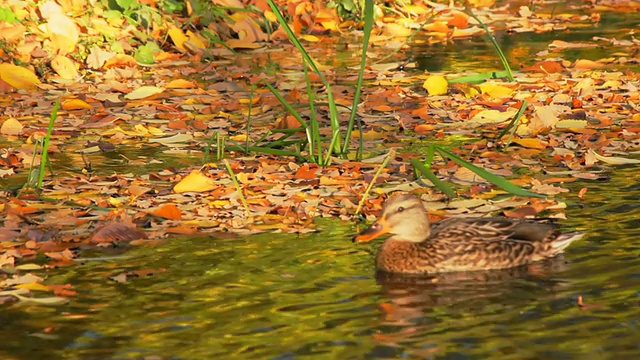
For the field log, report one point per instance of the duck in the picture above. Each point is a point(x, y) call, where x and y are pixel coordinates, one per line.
point(458, 244)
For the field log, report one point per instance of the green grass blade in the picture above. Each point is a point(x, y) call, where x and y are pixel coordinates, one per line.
point(286, 104)
point(45, 143)
point(427, 173)
point(513, 123)
point(503, 58)
point(368, 24)
point(333, 112)
point(479, 78)
point(313, 132)
point(496, 180)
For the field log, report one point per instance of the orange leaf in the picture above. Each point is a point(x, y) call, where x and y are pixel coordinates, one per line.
point(586, 64)
point(288, 122)
point(382, 108)
point(180, 84)
point(424, 128)
point(76, 104)
point(531, 143)
point(169, 211)
point(306, 172)
point(437, 26)
point(460, 20)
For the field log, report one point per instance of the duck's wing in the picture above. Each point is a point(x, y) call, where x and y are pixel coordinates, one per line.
point(487, 243)
point(479, 230)
point(494, 243)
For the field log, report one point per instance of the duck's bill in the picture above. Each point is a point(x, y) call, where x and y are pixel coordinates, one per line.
point(379, 228)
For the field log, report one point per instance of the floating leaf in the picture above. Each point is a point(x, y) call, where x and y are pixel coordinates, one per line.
point(168, 211)
point(75, 104)
point(436, 85)
point(613, 160)
point(175, 139)
point(117, 231)
point(53, 300)
point(178, 37)
point(11, 127)
point(18, 77)
point(143, 92)
point(196, 181)
point(64, 67)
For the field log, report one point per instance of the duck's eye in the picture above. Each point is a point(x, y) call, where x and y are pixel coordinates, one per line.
point(401, 209)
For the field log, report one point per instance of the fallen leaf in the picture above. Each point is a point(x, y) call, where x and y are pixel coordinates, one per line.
point(169, 211)
point(18, 77)
point(11, 127)
point(196, 181)
point(117, 231)
point(613, 160)
point(143, 92)
point(436, 85)
point(65, 67)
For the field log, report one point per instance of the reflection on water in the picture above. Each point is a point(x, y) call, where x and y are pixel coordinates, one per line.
point(286, 296)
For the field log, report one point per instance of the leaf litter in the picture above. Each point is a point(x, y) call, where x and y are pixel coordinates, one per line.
point(582, 117)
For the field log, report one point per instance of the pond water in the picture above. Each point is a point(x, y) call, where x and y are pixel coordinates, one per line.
point(288, 296)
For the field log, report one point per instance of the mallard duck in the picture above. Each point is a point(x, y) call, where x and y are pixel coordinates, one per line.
point(458, 244)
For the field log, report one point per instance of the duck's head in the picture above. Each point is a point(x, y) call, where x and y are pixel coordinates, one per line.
point(403, 216)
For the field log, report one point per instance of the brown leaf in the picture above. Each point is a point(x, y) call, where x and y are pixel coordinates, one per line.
point(117, 231)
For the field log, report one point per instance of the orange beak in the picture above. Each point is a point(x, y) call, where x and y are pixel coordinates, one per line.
point(379, 228)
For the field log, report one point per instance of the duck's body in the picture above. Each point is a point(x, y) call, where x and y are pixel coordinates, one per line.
point(459, 244)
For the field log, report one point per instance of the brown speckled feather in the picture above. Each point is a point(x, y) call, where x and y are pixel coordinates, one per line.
point(459, 244)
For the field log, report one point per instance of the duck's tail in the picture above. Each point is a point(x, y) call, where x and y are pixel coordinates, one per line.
point(564, 240)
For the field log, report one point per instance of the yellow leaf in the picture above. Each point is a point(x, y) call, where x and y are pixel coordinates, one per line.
point(33, 286)
point(493, 116)
point(178, 38)
point(531, 143)
point(397, 30)
point(310, 38)
point(195, 182)
point(175, 139)
point(142, 130)
point(143, 92)
point(63, 32)
point(436, 85)
point(495, 90)
point(18, 77)
point(269, 15)
point(571, 124)
point(11, 127)
point(196, 40)
point(64, 67)
point(239, 137)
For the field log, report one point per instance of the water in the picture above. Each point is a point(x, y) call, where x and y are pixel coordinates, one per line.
point(288, 296)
